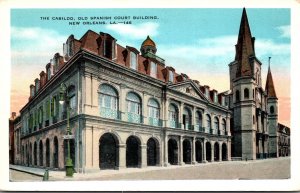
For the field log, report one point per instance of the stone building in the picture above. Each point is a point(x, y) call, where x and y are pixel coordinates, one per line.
point(129, 109)
point(284, 146)
point(11, 137)
point(17, 140)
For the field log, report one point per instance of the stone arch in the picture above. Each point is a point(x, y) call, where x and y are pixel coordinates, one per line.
point(172, 151)
point(187, 151)
point(108, 151)
point(133, 151)
point(41, 153)
point(47, 152)
point(216, 151)
point(208, 151)
point(198, 152)
point(153, 151)
point(55, 152)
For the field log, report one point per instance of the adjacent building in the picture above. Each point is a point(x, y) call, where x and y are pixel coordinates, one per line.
point(128, 108)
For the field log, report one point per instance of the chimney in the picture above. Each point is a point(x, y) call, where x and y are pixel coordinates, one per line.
point(13, 115)
point(42, 79)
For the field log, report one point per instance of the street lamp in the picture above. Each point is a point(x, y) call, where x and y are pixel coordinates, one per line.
point(64, 97)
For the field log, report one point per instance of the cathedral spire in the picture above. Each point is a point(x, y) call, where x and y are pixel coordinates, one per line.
point(244, 48)
point(270, 89)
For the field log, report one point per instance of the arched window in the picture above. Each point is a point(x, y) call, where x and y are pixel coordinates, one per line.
point(134, 108)
point(72, 97)
point(237, 95)
point(173, 116)
point(223, 127)
point(216, 125)
point(187, 118)
point(153, 112)
point(246, 93)
point(108, 102)
point(198, 126)
point(208, 124)
point(271, 109)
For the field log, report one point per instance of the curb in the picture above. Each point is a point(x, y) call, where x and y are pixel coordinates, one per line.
point(28, 172)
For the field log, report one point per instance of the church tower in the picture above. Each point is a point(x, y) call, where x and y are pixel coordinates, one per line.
point(247, 100)
point(272, 106)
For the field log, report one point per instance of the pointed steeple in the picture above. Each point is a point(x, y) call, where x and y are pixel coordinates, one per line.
point(270, 89)
point(244, 48)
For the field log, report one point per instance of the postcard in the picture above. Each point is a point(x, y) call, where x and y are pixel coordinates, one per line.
point(161, 98)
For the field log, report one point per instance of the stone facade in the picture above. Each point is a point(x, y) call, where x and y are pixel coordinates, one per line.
point(131, 110)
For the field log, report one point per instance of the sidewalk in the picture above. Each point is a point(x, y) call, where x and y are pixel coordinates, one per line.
point(55, 175)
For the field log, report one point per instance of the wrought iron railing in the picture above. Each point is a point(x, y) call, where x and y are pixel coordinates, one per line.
point(110, 113)
point(174, 124)
point(154, 121)
point(134, 118)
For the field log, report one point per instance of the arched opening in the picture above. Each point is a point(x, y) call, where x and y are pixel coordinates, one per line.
point(47, 153)
point(108, 152)
point(187, 118)
point(152, 152)
point(246, 93)
point(216, 126)
point(134, 108)
point(153, 112)
point(223, 130)
point(55, 152)
point(208, 124)
point(208, 151)
point(187, 151)
point(30, 154)
point(271, 109)
point(198, 151)
point(133, 152)
point(216, 152)
point(108, 102)
point(198, 126)
point(41, 158)
point(224, 152)
point(35, 153)
point(172, 152)
point(173, 116)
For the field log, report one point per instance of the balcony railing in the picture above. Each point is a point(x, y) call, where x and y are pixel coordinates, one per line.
point(110, 113)
point(155, 121)
point(199, 128)
point(134, 118)
point(174, 124)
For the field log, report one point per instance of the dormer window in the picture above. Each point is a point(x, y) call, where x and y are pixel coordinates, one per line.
point(171, 76)
point(32, 90)
point(133, 60)
point(153, 69)
point(223, 101)
point(206, 92)
point(215, 97)
point(49, 72)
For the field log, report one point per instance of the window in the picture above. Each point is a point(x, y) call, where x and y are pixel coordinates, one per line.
point(108, 102)
point(72, 97)
point(208, 123)
point(40, 116)
point(134, 107)
point(107, 48)
point(271, 109)
point(216, 125)
point(215, 98)
point(237, 95)
point(32, 91)
point(173, 116)
point(153, 70)
point(199, 120)
point(153, 112)
point(133, 61)
point(171, 76)
point(223, 126)
point(37, 85)
point(246, 93)
point(186, 118)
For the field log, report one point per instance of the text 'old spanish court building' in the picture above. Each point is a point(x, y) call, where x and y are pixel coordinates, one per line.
point(128, 108)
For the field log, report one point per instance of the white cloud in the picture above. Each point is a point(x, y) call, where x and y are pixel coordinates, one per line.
point(139, 31)
point(285, 31)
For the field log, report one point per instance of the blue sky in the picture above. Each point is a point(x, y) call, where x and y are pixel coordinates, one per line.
point(198, 42)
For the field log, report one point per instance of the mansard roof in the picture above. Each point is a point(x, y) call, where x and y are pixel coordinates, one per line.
point(270, 88)
point(244, 48)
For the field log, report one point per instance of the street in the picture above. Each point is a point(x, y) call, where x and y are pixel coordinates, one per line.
point(260, 169)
